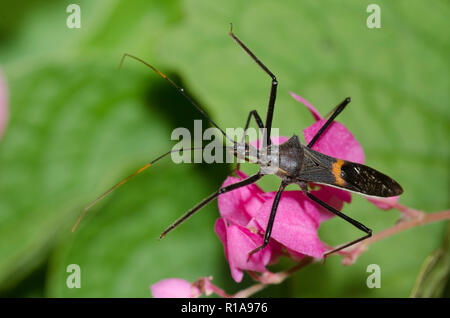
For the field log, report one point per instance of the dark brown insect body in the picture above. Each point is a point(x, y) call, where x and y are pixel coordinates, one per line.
point(299, 163)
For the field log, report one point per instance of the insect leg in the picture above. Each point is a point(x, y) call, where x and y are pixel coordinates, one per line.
point(148, 165)
point(338, 109)
point(273, 89)
point(357, 224)
point(260, 124)
point(273, 212)
point(258, 120)
point(234, 186)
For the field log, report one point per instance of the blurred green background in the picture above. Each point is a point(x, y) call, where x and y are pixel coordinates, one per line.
point(78, 125)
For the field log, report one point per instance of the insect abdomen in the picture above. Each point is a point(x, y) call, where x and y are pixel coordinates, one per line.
point(361, 178)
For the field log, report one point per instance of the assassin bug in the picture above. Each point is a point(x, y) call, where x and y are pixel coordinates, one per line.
point(291, 161)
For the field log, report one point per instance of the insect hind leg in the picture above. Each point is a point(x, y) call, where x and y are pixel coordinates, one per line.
point(355, 223)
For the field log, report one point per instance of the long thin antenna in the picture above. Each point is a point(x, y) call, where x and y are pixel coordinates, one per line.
point(127, 179)
point(180, 90)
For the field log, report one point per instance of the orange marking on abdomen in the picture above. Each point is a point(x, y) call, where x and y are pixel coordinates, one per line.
point(336, 170)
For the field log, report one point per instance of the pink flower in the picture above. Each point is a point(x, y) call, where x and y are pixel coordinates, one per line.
point(3, 104)
point(245, 213)
point(175, 288)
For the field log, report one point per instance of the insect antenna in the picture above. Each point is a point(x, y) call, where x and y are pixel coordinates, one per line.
point(148, 165)
point(180, 90)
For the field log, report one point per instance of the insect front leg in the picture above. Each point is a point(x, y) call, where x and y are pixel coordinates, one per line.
point(273, 87)
point(258, 120)
point(234, 186)
point(260, 124)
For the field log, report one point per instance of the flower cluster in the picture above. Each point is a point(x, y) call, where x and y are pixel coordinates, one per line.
point(245, 211)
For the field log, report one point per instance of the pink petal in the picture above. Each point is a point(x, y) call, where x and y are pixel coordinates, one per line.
point(174, 288)
point(276, 248)
point(240, 205)
point(238, 242)
point(296, 223)
point(242, 241)
point(333, 197)
point(384, 203)
point(336, 141)
point(3, 104)
point(277, 251)
point(311, 108)
point(221, 231)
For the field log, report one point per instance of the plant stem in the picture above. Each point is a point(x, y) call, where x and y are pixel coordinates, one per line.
point(403, 225)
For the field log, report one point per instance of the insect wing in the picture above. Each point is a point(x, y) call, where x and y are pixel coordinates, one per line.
point(319, 168)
